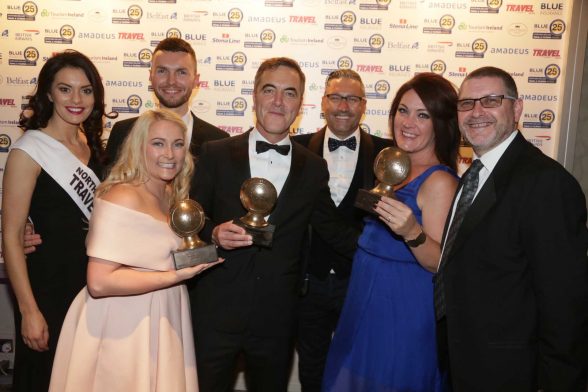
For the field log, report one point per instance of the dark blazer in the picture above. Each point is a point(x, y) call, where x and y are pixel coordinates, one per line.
point(201, 132)
point(516, 280)
point(323, 258)
point(255, 289)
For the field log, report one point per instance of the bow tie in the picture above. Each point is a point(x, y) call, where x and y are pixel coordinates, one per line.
point(261, 146)
point(334, 144)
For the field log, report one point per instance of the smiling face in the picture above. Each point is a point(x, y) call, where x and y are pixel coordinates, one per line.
point(413, 126)
point(343, 118)
point(72, 96)
point(173, 77)
point(485, 128)
point(276, 100)
point(165, 150)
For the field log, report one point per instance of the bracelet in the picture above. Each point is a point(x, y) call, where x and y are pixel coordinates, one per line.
point(419, 240)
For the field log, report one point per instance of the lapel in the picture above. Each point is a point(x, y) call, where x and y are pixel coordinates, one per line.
point(492, 191)
point(366, 157)
point(293, 182)
point(239, 156)
point(196, 140)
point(317, 141)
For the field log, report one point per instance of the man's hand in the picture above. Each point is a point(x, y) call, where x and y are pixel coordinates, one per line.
point(31, 239)
point(230, 236)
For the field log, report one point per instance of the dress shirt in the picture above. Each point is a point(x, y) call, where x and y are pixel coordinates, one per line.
point(189, 121)
point(270, 165)
point(341, 164)
point(489, 160)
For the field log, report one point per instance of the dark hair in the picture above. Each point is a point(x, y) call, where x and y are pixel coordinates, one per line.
point(440, 98)
point(275, 62)
point(175, 45)
point(493, 72)
point(345, 74)
point(40, 109)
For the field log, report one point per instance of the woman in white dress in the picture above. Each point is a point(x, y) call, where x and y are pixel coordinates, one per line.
point(130, 328)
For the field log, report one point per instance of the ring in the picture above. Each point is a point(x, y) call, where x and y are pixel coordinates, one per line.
point(388, 218)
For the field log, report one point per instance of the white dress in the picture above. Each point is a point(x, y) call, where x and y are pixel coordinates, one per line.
point(128, 343)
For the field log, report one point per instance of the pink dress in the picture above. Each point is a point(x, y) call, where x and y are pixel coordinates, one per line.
point(128, 343)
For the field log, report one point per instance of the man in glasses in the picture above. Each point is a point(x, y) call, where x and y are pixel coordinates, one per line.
point(511, 293)
point(349, 152)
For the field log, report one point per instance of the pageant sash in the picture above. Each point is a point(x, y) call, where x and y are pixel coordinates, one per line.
point(77, 179)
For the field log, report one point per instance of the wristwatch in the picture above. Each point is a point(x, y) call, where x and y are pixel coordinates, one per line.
point(419, 240)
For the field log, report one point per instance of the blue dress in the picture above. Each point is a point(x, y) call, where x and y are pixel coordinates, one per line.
point(385, 339)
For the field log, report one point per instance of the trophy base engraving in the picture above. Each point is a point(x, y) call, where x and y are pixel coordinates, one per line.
point(192, 257)
point(366, 200)
point(262, 236)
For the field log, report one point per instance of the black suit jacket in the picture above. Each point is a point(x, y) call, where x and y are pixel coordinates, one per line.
point(323, 258)
point(201, 132)
point(516, 281)
point(255, 289)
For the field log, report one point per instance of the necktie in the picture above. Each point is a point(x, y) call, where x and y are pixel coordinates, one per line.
point(468, 190)
point(334, 144)
point(261, 146)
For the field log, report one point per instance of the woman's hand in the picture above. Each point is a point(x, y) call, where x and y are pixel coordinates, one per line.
point(398, 217)
point(188, 272)
point(34, 330)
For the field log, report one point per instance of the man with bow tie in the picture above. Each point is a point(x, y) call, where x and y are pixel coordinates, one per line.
point(349, 152)
point(247, 306)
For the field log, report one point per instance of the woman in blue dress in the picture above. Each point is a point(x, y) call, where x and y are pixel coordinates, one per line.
point(385, 339)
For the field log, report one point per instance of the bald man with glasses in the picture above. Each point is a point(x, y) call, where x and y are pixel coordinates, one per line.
point(511, 292)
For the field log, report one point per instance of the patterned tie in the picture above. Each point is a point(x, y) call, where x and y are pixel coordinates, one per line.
point(468, 190)
point(334, 144)
point(261, 146)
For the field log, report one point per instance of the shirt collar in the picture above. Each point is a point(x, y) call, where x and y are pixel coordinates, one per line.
point(491, 158)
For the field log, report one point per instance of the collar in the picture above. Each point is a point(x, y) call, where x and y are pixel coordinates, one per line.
point(491, 158)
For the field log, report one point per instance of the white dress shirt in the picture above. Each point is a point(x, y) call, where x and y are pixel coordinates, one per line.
point(270, 165)
point(489, 160)
point(341, 163)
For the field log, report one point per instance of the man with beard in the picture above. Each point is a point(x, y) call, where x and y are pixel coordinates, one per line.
point(511, 291)
point(173, 76)
point(349, 152)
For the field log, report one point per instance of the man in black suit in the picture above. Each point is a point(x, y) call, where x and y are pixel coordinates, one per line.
point(173, 76)
point(349, 152)
point(248, 304)
point(511, 293)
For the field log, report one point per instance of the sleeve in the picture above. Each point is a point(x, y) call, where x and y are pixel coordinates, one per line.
point(115, 140)
point(556, 241)
point(202, 189)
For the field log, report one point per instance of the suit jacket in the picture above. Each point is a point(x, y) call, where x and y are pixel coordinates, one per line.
point(323, 258)
point(256, 288)
point(201, 132)
point(516, 280)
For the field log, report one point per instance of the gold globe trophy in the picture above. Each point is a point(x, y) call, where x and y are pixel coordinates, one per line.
point(186, 218)
point(391, 167)
point(258, 196)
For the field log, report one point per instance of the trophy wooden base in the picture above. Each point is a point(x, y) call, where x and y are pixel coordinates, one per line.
point(262, 236)
point(366, 200)
point(191, 257)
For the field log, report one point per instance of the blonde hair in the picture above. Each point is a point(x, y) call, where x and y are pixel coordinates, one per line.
point(131, 166)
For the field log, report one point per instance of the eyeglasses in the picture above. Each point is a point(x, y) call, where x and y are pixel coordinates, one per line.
point(352, 100)
point(489, 101)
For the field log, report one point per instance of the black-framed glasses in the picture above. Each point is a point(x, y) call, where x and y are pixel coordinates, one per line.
point(352, 100)
point(489, 101)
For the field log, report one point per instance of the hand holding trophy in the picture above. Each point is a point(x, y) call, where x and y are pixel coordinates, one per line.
point(391, 167)
point(258, 196)
point(186, 218)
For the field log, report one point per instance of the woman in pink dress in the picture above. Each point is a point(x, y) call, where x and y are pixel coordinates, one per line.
point(130, 328)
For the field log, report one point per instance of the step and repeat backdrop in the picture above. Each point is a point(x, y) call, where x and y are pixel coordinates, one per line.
point(386, 41)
